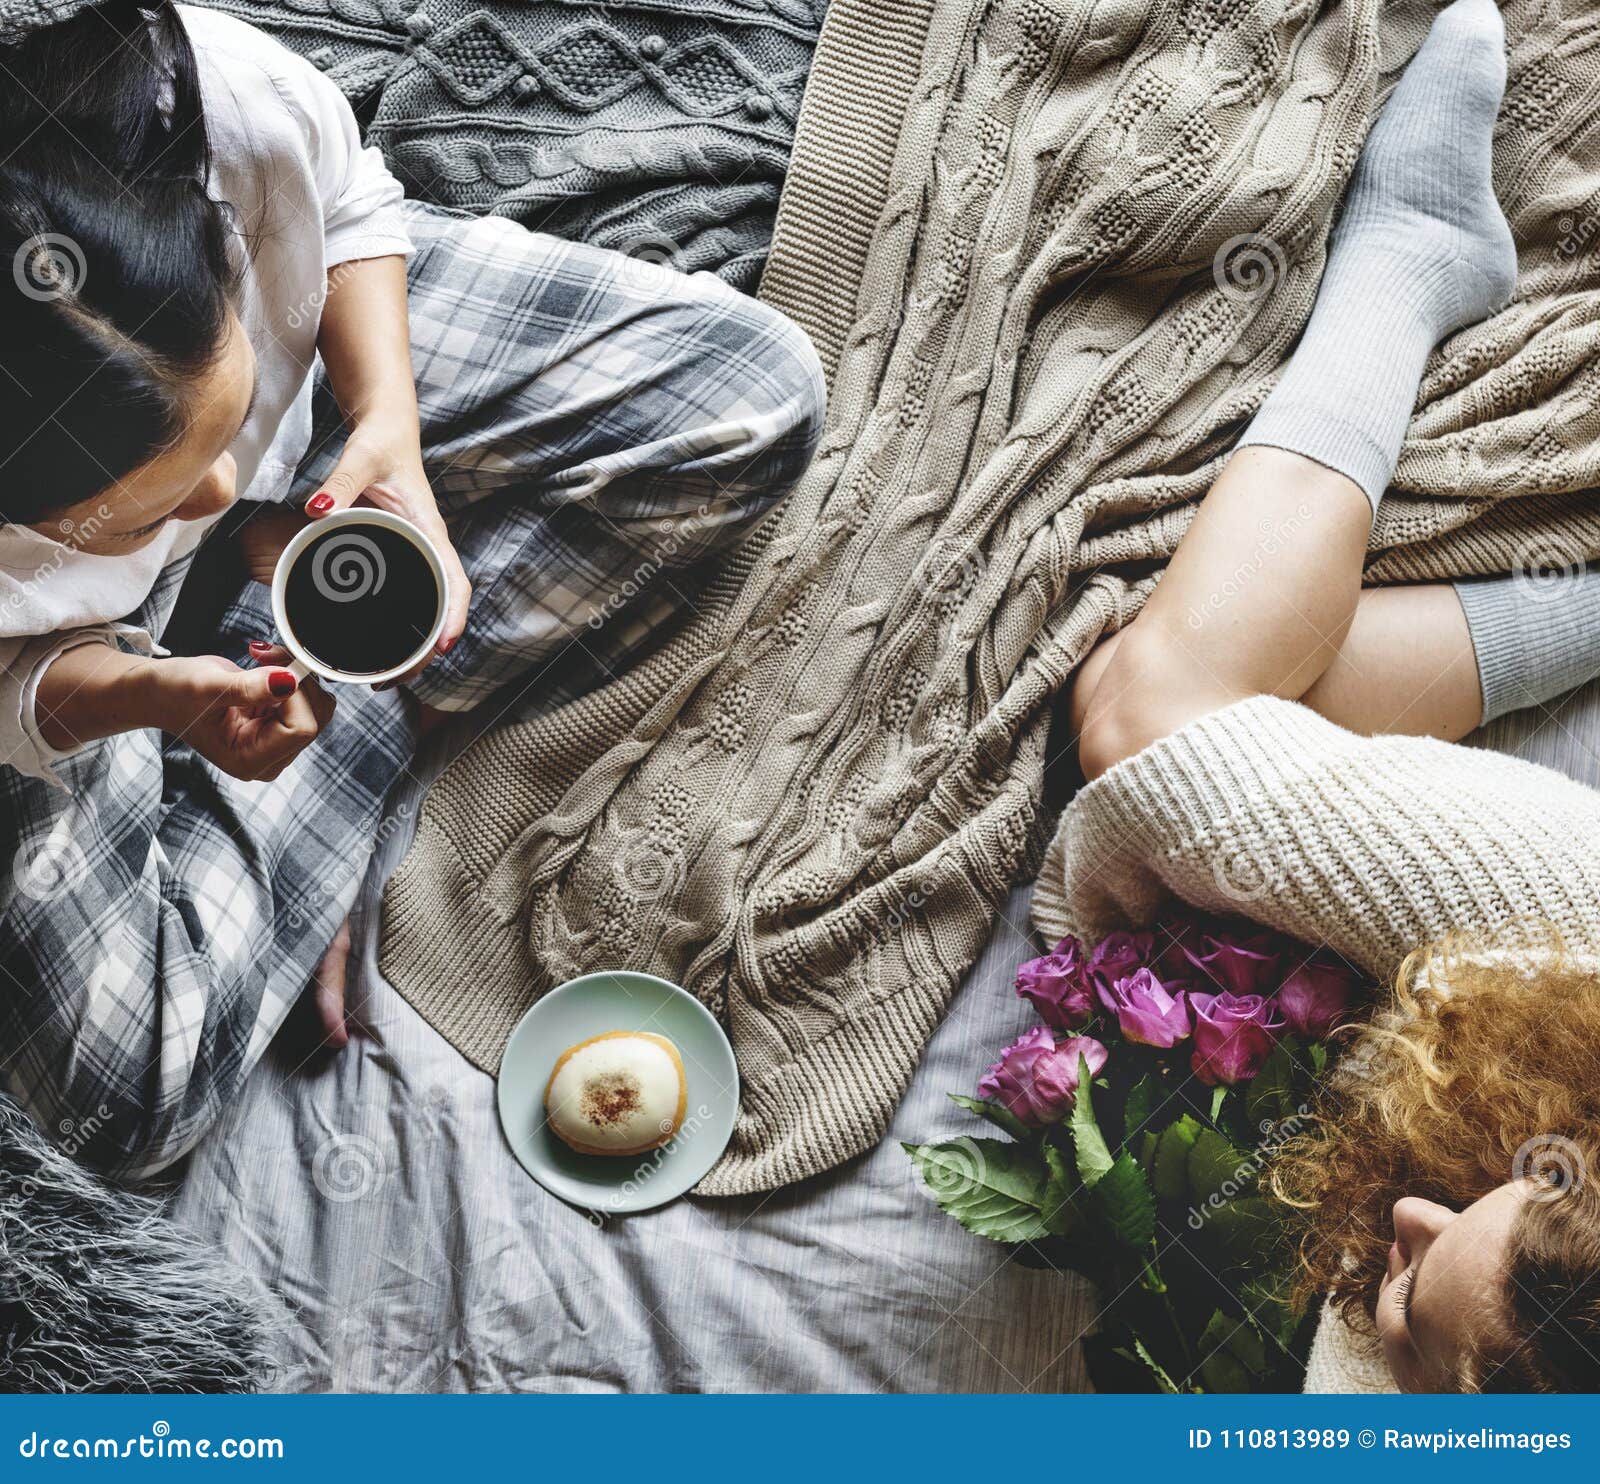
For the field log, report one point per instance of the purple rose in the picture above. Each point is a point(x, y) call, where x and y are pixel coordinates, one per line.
point(1237, 964)
point(1178, 940)
point(1148, 1012)
point(1119, 956)
point(1057, 986)
point(1038, 1080)
point(1233, 1036)
point(1315, 997)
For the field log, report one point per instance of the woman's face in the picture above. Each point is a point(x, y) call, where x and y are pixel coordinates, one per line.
point(189, 480)
point(1443, 1298)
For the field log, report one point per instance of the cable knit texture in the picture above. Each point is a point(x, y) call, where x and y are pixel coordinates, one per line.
point(1022, 235)
point(660, 128)
point(20, 18)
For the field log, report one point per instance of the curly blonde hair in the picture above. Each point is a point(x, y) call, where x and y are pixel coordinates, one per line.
point(1483, 1068)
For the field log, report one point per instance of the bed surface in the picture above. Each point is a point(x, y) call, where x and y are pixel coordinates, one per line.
point(376, 1194)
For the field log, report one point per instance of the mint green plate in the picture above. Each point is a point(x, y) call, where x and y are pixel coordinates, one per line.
point(618, 1000)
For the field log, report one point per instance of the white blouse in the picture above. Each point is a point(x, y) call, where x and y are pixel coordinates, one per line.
point(287, 156)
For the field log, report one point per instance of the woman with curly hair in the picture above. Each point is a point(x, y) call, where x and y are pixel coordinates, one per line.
point(1480, 1070)
point(1266, 736)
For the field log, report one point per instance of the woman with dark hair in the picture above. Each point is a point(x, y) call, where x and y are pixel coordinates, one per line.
point(218, 295)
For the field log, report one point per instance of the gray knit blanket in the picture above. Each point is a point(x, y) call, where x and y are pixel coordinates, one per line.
point(660, 128)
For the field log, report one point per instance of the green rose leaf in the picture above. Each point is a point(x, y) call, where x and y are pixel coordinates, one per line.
point(1121, 1199)
point(1170, 1173)
point(1163, 1380)
point(1271, 1096)
point(1245, 1233)
point(1216, 1168)
point(1061, 1214)
point(1232, 1354)
point(1140, 1104)
point(1094, 1158)
point(993, 1189)
point(999, 1116)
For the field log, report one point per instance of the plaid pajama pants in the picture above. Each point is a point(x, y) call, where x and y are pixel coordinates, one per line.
point(597, 430)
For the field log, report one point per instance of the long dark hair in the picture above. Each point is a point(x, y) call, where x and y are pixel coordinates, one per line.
point(122, 265)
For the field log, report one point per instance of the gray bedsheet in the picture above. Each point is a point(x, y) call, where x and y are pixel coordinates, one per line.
point(378, 1197)
point(376, 1194)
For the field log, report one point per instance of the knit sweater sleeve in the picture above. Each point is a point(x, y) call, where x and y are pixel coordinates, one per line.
point(1371, 845)
point(1346, 1361)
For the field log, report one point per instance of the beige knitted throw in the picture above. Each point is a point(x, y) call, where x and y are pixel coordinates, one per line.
point(1052, 253)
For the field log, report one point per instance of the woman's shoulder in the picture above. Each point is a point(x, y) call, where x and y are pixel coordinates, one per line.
point(249, 82)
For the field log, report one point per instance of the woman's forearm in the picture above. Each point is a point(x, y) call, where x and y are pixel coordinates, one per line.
point(91, 691)
point(365, 344)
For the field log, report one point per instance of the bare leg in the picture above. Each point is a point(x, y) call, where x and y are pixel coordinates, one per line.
point(1406, 667)
point(1258, 599)
point(328, 988)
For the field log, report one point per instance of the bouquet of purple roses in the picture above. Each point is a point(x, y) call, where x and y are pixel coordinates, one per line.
point(1165, 1067)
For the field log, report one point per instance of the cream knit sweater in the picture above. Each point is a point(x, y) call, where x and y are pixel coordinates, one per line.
point(1372, 845)
point(1052, 254)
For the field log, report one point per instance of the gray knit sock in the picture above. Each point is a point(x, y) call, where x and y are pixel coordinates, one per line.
point(1421, 249)
point(1535, 637)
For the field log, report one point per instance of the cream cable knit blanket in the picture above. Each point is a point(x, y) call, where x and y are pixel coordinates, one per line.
point(1373, 845)
point(1053, 253)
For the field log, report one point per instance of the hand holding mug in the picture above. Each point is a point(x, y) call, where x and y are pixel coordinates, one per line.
point(382, 468)
point(250, 723)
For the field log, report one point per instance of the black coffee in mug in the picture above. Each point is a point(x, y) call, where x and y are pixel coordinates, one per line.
point(361, 599)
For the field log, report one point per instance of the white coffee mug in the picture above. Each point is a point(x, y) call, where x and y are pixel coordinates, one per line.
point(303, 662)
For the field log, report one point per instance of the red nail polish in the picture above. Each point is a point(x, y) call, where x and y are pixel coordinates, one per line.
point(259, 646)
point(320, 503)
point(446, 645)
point(281, 683)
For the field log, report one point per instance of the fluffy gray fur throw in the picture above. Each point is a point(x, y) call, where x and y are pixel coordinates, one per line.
point(99, 1291)
point(661, 128)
